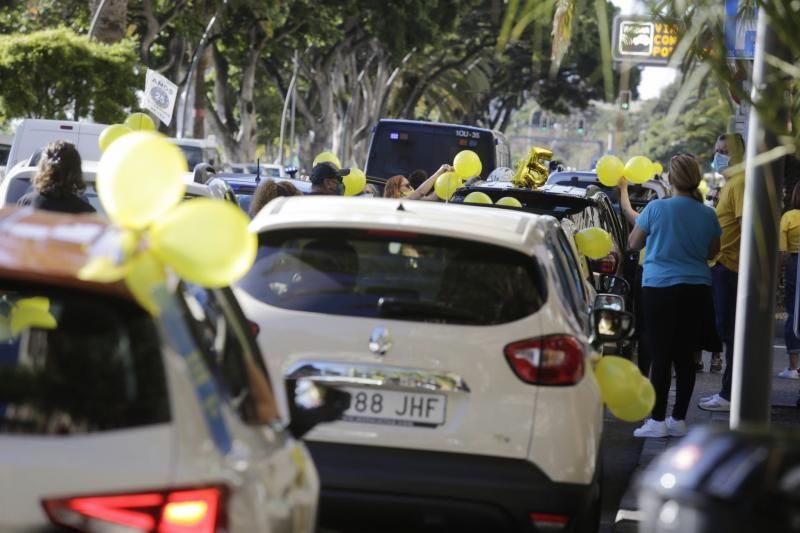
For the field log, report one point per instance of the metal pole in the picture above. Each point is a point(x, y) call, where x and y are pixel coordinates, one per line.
point(96, 16)
point(193, 65)
point(758, 264)
point(292, 139)
point(283, 113)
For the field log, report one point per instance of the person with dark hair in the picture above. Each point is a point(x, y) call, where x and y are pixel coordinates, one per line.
point(269, 190)
point(681, 235)
point(789, 245)
point(399, 187)
point(58, 181)
point(326, 179)
point(728, 152)
point(417, 178)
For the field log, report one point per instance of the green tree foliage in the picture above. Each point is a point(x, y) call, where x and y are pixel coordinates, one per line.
point(58, 74)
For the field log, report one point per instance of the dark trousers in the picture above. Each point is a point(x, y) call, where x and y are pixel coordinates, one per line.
point(673, 322)
point(724, 283)
point(642, 355)
point(792, 342)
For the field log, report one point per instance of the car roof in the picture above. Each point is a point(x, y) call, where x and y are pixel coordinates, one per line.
point(51, 248)
point(510, 228)
point(245, 180)
point(557, 203)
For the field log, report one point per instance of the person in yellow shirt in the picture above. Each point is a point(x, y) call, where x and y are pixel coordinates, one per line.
point(728, 154)
point(789, 244)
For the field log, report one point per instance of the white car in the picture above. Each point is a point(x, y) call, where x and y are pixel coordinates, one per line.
point(462, 335)
point(18, 183)
point(266, 171)
point(112, 420)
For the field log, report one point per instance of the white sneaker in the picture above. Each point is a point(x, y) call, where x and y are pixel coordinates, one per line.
point(705, 399)
point(716, 403)
point(676, 428)
point(651, 428)
point(789, 373)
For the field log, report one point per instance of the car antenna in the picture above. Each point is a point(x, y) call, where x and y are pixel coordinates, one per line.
point(258, 170)
point(400, 207)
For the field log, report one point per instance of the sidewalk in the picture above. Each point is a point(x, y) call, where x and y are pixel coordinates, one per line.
point(784, 413)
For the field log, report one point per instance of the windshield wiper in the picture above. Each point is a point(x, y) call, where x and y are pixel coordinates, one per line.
point(400, 308)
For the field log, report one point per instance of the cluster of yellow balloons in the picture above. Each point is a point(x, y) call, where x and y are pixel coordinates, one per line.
point(466, 164)
point(629, 395)
point(594, 243)
point(26, 313)
point(134, 122)
point(140, 182)
point(638, 169)
point(354, 181)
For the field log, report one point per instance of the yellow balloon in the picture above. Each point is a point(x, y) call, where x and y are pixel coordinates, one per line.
point(110, 134)
point(609, 170)
point(446, 185)
point(31, 313)
point(145, 272)
point(594, 243)
point(224, 255)
point(639, 406)
point(703, 187)
point(140, 178)
point(467, 164)
point(638, 169)
point(478, 197)
point(617, 378)
point(327, 157)
point(354, 182)
point(657, 168)
point(140, 122)
point(509, 201)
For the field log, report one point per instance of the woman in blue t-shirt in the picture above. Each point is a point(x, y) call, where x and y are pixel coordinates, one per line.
point(681, 235)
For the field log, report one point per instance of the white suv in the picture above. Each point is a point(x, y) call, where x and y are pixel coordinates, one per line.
point(462, 335)
point(112, 420)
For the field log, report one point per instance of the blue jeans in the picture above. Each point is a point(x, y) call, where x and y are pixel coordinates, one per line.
point(792, 342)
point(724, 283)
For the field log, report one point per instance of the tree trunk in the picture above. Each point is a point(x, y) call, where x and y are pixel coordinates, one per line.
point(112, 21)
point(199, 123)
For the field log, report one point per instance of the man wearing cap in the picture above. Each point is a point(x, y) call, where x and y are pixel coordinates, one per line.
point(326, 179)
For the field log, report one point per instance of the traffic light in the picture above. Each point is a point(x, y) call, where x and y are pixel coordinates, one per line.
point(581, 128)
point(625, 100)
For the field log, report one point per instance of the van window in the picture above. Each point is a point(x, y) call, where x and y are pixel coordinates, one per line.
point(402, 276)
point(81, 363)
point(399, 148)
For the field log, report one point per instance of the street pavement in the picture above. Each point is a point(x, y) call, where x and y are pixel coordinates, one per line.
point(620, 509)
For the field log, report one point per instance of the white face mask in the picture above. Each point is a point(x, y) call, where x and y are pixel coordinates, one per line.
point(720, 162)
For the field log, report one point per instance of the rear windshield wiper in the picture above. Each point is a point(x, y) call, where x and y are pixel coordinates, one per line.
point(400, 308)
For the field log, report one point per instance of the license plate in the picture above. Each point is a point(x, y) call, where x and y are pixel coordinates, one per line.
point(395, 408)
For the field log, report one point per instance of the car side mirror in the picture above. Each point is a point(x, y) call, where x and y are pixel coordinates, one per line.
point(610, 325)
point(311, 403)
point(612, 285)
point(609, 301)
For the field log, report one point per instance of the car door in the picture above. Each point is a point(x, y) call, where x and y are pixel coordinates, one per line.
point(571, 285)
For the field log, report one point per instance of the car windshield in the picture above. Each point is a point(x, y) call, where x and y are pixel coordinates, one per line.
point(77, 362)
point(404, 276)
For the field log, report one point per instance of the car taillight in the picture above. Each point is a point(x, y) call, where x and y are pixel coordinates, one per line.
point(551, 360)
point(606, 265)
point(549, 521)
point(254, 329)
point(198, 510)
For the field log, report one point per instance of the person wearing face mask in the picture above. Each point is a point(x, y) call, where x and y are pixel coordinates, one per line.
point(399, 187)
point(326, 179)
point(728, 153)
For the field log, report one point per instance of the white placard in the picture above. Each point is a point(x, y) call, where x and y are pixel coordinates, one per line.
point(159, 96)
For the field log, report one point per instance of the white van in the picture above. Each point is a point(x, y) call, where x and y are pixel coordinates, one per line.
point(5, 148)
point(33, 134)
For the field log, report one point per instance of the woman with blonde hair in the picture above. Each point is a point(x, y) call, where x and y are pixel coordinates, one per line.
point(58, 182)
point(399, 186)
point(681, 235)
point(269, 190)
